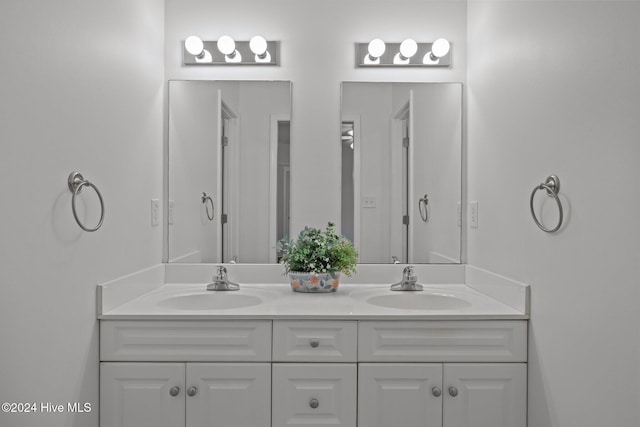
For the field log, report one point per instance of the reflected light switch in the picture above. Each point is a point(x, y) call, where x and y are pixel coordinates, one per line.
point(369, 202)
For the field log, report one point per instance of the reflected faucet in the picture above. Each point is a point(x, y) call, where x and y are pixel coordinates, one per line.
point(408, 282)
point(221, 281)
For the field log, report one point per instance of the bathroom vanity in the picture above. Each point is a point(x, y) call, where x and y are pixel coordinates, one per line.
point(264, 356)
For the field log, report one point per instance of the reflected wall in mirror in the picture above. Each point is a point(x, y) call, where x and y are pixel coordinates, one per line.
point(228, 170)
point(402, 171)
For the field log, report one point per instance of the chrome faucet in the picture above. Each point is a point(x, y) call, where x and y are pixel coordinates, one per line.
point(221, 282)
point(408, 282)
point(395, 259)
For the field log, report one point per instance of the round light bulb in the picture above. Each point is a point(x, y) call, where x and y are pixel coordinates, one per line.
point(226, 45)
point(194, 45)
point(258, 45)
point(376, 48)
point(408, 48)
point(440, 48)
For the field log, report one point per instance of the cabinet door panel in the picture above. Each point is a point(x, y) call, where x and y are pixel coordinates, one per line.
point(139, 394)
point(399, 395)
point(229, 394)
point(488, 395)
point(314, 395)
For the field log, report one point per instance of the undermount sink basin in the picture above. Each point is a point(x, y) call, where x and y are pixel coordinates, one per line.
point(419, 301)
point(210, 301)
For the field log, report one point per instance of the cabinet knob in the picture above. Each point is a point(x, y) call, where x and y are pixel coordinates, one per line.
point(174, 391)
point(314, 403)
point(453, 392)
point(314, 342)
point(436, 391)
point(191, 391)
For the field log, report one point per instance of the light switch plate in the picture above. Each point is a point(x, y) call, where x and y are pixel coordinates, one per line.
point(369, 202)
point(155, 212)
point(473, 208)
point(172, 205)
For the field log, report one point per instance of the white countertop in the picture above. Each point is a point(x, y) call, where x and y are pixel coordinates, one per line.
point(190, 301)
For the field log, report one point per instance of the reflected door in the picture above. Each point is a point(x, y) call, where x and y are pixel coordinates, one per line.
point(401, 182)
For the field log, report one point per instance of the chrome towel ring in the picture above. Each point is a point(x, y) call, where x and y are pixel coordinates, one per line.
point(206, 199)
point(552, 187)
point(424, 213)
point(75, 182)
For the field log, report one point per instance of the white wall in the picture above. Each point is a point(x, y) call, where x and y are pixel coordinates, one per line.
point(317, 52)
point(554, 88)
point(81, 88)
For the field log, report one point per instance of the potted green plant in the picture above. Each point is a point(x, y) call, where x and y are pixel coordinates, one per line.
point(315, 260)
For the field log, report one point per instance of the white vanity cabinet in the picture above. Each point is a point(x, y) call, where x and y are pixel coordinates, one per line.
point(314, 373)
point(484, 387)
point(449, 395)
point(191, 394)
point(291, 372)
point(185, 373)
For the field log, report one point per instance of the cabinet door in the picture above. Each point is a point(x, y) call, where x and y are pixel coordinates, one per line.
point(142, 394)
point(228, 394)
point(485, 395)
point(314, 395)
point(395, 394)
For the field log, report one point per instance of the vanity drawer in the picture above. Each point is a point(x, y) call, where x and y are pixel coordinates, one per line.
point(314, 394)
point(315, 341)
point(442, 341)
point(212, 341)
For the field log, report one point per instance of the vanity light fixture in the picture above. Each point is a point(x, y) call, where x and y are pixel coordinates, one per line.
point(226, 51)
point(409, 53)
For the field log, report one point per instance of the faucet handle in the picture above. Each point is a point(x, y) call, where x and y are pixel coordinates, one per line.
point(408, 272)
point(222, 273)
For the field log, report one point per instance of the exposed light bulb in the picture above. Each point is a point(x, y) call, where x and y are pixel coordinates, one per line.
point(194, 45)
point(258, 45)
point(226, 45)
point(440, 48)
point(408, 48)
point(376, 48)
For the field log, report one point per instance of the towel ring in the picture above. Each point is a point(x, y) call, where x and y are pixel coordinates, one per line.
point(552, 187)
point(75, 182)
point(206, 198)
point(424, 214)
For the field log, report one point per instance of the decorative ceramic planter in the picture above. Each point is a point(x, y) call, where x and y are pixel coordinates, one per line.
point(314, 282)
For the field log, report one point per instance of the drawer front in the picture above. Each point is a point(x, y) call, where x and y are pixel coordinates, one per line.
point(314, 395)
point(213, 341)
point(315, 341)
point(442, 341)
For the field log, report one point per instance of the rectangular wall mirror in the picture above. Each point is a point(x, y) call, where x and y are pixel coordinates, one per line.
point(402, 171)
point(228, 170)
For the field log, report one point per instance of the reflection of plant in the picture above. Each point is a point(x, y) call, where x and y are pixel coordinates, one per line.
point(319, 251)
